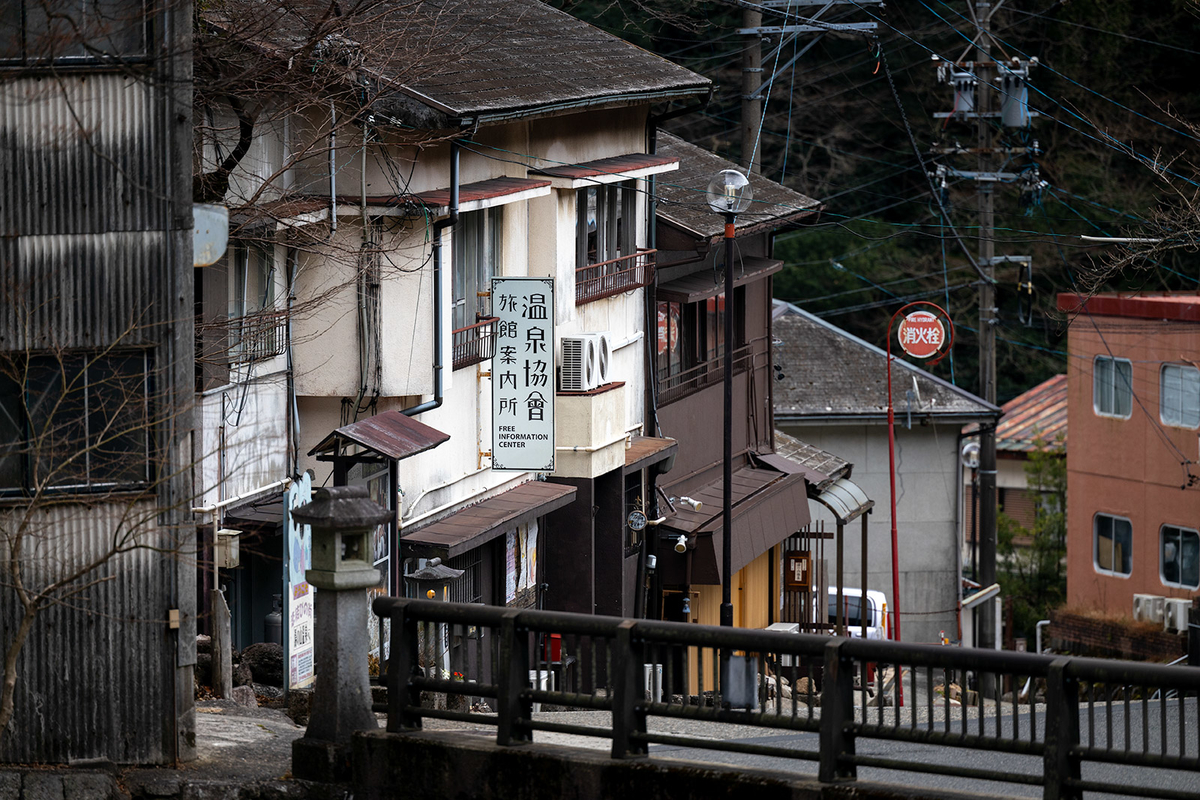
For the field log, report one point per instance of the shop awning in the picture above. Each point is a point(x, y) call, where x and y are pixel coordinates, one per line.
point(645, 451)
point(701, 285)
point(478, 524)
point(768, 507)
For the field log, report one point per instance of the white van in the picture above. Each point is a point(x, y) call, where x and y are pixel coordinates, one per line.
point(877, 621)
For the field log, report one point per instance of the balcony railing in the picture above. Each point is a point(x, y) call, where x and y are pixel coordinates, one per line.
point(707, 373)
point(474, 343)
point(597, 281)
point(238, 340)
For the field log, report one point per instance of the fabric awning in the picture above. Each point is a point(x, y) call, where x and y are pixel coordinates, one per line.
point(701, 285)
point(768, 507)
point(478, 524)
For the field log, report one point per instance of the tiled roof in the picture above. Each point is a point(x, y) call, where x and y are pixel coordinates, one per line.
point(1040, 412)
point(829, 373)
point(681, 194)
point(525, 58)
point(614, 165)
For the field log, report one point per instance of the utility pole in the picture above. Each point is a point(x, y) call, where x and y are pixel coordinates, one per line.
point(795, 24)
point(751, 84)
point(987, 318)
point(975, 89)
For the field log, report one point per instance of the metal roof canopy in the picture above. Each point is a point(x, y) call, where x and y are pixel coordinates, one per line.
point(389, 434)
point(845, 500)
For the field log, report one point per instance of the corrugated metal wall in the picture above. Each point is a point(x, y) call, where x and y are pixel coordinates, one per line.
point(94, 678)
point(95, 250)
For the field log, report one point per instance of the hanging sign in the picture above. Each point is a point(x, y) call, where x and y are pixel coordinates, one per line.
point(523, 375)
point(921, 334)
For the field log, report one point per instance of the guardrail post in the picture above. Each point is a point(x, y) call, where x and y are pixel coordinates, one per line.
point(1060, 765)
point(513, 705)
point(628, 694)
point(402, 665)
point(837, 713)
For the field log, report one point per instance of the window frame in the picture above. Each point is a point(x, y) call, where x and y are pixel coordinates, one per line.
point(1111, 387)
point(1162, 542)
point(616, 206)
point(1114, 518)
point(482, 230)
point(27, 31)
point(144, 428)
point(1194, 374)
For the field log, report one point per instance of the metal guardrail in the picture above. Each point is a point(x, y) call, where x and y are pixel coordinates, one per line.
point(623, 274)
point(706, 373)
point(844, 690)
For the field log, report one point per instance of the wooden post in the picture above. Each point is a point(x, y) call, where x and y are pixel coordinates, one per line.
point(222, 648)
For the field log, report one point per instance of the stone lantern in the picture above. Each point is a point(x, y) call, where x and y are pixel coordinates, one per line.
point(342, 520)
point(432, 581)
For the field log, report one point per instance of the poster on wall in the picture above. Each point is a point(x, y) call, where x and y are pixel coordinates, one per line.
point(523, 375)
point(377, 479)
point(520, 569)
point(297, 593)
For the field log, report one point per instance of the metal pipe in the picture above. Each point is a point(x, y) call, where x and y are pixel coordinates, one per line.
point(332, 169)
point(727, 488)
point(438, 288)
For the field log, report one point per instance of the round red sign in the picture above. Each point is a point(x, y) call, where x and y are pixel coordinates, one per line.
point(921, 334)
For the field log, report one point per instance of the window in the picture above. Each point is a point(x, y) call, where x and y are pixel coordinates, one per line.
point(693, 334)
point(1179, 395)
point(1113, 542)
point(1112, 387)
point(256, 330)
point(78, 30)
point(74, 420)
point(1179, 557)
point(605, 222)
point(476, 260)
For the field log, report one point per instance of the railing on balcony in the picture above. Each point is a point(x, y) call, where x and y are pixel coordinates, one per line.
point(707, 373)
point(474, 343)
point(238, 340)
point(597, 281)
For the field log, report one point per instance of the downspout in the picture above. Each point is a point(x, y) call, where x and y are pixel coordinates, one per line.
point(332, 169)
point(438, 281)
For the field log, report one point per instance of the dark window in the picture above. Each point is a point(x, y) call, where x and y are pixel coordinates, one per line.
point(34, 31)
point(1113, 544)
point(605, 222)
point(1179, 550)
point(691, 334)
point(74, 421)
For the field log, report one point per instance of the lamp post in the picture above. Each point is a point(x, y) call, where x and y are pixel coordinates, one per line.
point(729, 194)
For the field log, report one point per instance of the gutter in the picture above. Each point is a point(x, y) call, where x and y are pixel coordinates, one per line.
point(483, 118)
point(438, 288)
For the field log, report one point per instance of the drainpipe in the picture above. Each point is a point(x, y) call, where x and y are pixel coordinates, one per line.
point(332, 169)
point(438, 281)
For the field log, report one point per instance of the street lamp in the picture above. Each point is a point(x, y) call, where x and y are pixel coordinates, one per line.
point(729, 194)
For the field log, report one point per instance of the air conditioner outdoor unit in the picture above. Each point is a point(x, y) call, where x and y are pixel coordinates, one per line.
point(1148, 608)
point(1175, 618)
point(585, 361)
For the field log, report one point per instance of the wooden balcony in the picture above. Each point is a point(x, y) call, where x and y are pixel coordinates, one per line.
point(597, 281)
point(474, 343)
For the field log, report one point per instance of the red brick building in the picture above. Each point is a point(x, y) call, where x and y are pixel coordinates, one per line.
point(1133, 485)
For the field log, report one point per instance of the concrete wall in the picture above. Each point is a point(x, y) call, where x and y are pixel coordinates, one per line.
point(927, 518)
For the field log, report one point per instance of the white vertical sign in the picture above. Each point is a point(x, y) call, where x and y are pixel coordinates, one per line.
point(523, 375)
